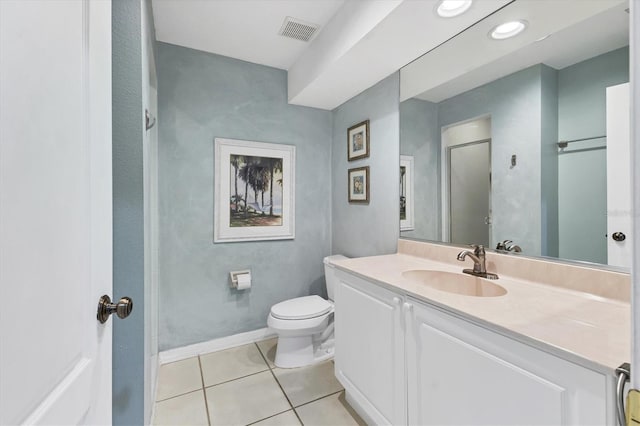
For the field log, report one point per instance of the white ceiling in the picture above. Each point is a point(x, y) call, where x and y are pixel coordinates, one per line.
point(578, 30)
point(241, 29)
point(359, 42)
point(336, 68)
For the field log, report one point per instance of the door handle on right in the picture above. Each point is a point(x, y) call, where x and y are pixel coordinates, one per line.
point(105, 308)
point(624, 374)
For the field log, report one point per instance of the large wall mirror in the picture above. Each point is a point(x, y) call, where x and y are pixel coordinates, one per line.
point(523, 143)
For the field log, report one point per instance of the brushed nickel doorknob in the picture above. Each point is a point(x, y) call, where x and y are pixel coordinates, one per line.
point(105, 308)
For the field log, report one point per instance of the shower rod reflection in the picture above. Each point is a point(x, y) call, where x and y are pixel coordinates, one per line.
point(563, 144)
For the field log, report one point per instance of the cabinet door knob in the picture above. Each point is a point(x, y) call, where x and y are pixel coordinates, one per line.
point(408, 307)
point(618, 236)
point(396, 300)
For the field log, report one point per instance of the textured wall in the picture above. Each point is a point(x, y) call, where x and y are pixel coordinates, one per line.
point(359, 229)
point(128, 212)
point(582, 172)
point(549, 162)
point(420, 137)
point(202, 96)
point(582, 95)
point(514, 103)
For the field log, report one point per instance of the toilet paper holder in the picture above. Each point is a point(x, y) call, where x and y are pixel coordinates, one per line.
point(234, 276)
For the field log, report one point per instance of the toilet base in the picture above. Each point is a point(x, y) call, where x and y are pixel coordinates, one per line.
point(300, 351)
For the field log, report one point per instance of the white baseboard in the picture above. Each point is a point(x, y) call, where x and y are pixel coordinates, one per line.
point(185, 352)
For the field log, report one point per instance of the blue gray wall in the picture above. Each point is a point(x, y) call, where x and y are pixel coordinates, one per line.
point(582, 166)
point(128, 212)
point(359, 229)
point(420, 136)
point(549, 161)
point(582, 95)
point(202, 96)
point(516, 129)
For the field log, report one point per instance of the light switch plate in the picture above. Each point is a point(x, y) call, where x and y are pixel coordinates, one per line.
point(633, 408)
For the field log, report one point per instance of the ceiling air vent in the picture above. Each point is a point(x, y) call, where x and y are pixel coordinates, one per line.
point(297, 29)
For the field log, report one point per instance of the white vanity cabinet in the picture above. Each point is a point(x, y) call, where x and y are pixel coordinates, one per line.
point(403, 361)
point(461, 373)
point(370, 352)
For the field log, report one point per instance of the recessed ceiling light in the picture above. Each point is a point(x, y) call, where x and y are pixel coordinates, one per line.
point(451, 8)
point(508, 30)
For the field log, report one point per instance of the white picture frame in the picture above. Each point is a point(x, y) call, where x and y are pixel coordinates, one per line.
point(246, 215)
point(406, 193)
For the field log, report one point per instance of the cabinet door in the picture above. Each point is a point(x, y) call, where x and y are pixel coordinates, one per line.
point(460, 373)
point(369, 353)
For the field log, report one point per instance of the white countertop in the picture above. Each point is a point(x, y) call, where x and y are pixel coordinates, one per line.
point(584, 328)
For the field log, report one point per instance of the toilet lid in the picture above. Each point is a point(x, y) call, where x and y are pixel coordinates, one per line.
point(301, 308)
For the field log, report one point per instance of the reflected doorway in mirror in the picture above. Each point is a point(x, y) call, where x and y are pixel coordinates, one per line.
point(406, 193)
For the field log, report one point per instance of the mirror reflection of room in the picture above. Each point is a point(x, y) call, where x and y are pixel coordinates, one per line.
point(511, 144)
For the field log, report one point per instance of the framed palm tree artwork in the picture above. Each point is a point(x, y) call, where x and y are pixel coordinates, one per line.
point(254, 191)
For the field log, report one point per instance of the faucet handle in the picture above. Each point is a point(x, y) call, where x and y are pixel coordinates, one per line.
point(478, 249)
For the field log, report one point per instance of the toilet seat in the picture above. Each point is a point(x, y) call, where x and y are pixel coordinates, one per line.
point(301, 308)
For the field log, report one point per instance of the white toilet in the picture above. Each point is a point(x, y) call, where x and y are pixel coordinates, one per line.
point(304, 325)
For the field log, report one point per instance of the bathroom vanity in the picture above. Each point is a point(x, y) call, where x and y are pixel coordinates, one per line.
point(409, 351)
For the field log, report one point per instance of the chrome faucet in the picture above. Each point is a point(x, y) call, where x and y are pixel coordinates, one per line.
point(508, 246)
point(479, 262)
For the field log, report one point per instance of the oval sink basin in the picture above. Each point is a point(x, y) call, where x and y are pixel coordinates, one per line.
point(451, 282)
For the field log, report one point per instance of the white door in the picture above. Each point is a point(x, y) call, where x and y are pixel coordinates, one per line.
point(618, 176)
point(55, 211)
point(469, 193)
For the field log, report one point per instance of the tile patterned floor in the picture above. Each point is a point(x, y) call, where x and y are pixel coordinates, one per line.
point(242, 386)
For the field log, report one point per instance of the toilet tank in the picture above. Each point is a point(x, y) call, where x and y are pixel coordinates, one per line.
point(330, 273)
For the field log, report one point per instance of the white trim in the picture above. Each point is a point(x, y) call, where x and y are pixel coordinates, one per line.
point(214, 345)
point(635, 190)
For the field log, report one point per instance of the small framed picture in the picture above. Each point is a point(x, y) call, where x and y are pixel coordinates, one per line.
point(358, 141)
point(359, 185)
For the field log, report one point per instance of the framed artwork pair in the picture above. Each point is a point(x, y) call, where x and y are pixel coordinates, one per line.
point(358, 148)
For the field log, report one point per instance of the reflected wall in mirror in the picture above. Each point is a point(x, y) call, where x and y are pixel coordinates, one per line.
point(510, 139)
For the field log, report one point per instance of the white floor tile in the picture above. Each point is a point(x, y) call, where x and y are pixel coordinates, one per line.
point(222, 366)
point(268, 349)
point(178, 377)
point(288, 418)
point(330, 411)
point(186, 409)
point(308, 383)
point(245, 400)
